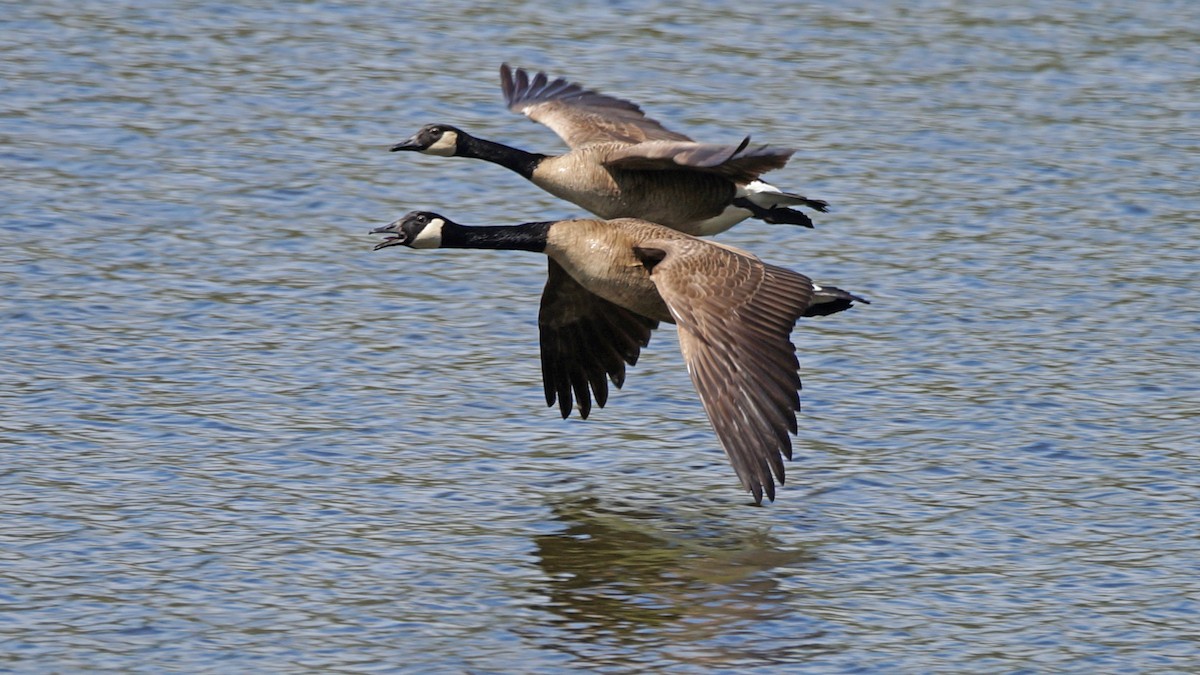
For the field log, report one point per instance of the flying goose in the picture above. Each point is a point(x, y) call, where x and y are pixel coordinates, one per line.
point(612, 282)
point(623, 164)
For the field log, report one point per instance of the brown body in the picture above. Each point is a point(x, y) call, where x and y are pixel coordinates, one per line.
point(735, 316)
point(679, 199)
point(599, 255)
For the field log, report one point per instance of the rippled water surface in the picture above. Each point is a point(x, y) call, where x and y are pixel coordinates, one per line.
point(234, 438)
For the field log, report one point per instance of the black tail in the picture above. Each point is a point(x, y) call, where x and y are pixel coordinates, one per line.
point(793, 199)
point(781, 215)
point(831, 300)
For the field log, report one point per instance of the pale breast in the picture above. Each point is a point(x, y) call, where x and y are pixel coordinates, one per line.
point(599, 255)
point(578, 178)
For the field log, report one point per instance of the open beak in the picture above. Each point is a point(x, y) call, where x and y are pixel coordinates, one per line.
point(397, 236)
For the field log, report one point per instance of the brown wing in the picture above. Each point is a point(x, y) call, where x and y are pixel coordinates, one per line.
point(735, 316)
point(739, 163)
point(585, 339)
point(579, 116)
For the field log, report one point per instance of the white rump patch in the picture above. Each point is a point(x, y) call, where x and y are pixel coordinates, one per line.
point(756, 186)
point(761, 193)
point(756, 191)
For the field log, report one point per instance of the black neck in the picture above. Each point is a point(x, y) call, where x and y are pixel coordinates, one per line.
point(526, 237)
point(510, 158)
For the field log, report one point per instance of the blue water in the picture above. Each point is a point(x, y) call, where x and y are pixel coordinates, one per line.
point(233, 437)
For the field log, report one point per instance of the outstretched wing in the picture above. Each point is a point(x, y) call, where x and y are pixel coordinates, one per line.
point(579, 116)
point(735, 316)
point(585, 339)
point(739, 163)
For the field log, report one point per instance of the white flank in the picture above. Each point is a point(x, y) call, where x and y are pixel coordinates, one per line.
point(757, 191)
point(731, 216)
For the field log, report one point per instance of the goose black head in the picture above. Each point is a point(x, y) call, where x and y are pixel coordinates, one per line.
point(416, 229)
point(433, 139)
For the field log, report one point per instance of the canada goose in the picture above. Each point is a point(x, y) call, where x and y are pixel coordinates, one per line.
point(612, 282)
point(623, 164)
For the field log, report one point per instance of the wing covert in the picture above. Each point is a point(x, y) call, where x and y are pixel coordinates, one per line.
point(579, 116)
point(735, 316)
point(739, 163)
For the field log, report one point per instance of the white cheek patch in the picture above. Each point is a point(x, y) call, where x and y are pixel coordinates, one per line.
point(445, 146)
point(430, 236)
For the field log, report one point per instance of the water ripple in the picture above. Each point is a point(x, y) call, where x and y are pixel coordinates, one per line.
point(236, 438)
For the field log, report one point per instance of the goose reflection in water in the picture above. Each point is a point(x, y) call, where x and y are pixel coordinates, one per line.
point(621, 576)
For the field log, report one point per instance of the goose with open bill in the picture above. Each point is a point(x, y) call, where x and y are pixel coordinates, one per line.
point(610, 284)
